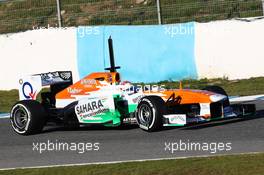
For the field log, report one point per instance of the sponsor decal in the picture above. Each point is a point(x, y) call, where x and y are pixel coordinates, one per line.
point(129, 120)
point(65, 75)
point(176, 118)
point(136, 99)
point(148, 101)
point(205, 109)
point(88, 82)
point(53, 77)
point(90, 109)
point(73, 90)
point(48, 76)
point(143, 127)
point(28, 92)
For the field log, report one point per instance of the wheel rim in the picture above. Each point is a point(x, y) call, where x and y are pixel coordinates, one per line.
point(145, 114)
point(20, 117)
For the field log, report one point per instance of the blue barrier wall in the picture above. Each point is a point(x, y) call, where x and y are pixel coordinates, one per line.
point(145, 53)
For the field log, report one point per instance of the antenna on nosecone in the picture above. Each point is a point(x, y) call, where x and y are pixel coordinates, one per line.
point(112, 67)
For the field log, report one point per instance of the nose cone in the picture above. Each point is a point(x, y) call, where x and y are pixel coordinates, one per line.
point(217, 97)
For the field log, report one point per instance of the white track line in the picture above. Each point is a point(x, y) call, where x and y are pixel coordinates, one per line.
point(127, 161)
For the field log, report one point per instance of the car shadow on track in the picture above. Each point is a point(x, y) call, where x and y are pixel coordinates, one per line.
point(131, 127)
point(51, 128)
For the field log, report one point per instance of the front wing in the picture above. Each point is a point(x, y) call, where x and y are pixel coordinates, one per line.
point(232, 111)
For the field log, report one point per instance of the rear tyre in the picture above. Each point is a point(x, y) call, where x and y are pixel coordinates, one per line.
point(70, 119)
point(218, 90)
point(27, 117)
point(149, 113)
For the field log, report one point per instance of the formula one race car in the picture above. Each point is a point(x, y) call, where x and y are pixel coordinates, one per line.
point(102, 98)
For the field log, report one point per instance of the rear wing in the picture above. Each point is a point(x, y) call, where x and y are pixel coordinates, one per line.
point(30, 86)
point(51, 78)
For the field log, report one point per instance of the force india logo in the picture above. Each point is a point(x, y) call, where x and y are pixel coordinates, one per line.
point(90, 109)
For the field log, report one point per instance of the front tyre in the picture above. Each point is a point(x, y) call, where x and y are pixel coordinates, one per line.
point(149, 113)
point(27, 117)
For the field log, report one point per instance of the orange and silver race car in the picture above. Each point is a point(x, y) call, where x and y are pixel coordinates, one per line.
point(102, 98)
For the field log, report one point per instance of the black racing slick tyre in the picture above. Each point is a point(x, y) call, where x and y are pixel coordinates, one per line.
point(149, 113)
point(218, 90)
point(27, 117)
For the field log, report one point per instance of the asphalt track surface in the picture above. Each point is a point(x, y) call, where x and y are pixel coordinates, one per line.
point(121, 144)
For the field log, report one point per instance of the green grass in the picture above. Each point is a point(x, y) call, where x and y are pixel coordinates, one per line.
point(7, 99)
point(218, 165)
point(252, 86)
point(21, 15)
